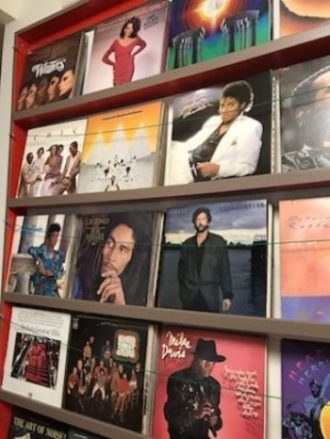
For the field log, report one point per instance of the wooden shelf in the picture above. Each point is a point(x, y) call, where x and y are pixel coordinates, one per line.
point(274, 187)
point(278, 328)
point(71, 418)
point(277, 53)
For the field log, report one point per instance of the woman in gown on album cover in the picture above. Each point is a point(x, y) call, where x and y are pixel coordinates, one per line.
point(117, 270)
point(125, 48)
point(229, 147)
point(49, 263)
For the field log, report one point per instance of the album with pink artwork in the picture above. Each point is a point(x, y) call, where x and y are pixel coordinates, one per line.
point(209, 384)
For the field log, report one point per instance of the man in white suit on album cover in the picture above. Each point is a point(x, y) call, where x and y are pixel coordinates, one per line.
point(228, 146)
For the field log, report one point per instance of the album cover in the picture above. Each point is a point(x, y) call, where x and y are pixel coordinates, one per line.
point(220, 132)
point(41, 253)
point(305, 389)
point(209, 384)
point(52, 73)
point(36, 354)
point(121, 149)
point(215, 258)
point(26, 425)
point(106, 370)
point(114, 258)
point(305, 259)
point(128, 47)
point(202, 29)
point(300, 15)
point(75, 434)
point(51, 161)
point(305, 111)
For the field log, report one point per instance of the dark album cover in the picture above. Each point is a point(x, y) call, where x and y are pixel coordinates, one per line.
point(128, 47)
point(114, 257)
point(209, 385)
point(105, 370)
point(77, 434)
point(50, 73)
point(25, 425)
point(204, 29)
point(305, 390)
point(214, 258)
point(220, 132)
point(300, 15)
point(305, 112)
point(41, 252)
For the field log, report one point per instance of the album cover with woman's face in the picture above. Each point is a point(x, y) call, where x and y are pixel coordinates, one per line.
point(115, 252)
point(305, 389)
point(128, 47)
point(300, 15)
point(215, 258)
point(204, 29)
point(106, 370)
point(305, 112)
point(220, 132)
point(209, 385)
point(41, 254)
point(51, 73)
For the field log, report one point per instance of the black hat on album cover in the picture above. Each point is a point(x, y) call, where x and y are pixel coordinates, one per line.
point(206, 350)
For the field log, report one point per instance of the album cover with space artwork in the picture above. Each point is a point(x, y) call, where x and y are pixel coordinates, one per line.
point(305, 111)
point(36, 354)
point(41, 254)
point(52, 73)
point(128, 47)
point(122, 149)
point(114, 260)
point(305, 389)
point(305, 259)
point(51, 160)
point(215, 258)
point(26, 425)
point(209, 384)
point(204, 29)
point(106, 370)
point(220, 132)
point(300, 15)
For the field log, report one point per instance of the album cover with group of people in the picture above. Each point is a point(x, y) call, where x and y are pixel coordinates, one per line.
point(106, 370)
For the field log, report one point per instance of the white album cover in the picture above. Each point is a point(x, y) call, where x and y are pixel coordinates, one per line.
point(36, 354)
point(51, 160)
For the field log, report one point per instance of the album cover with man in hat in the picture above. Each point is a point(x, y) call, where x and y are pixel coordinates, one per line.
point(305, 390)
point(205, 389)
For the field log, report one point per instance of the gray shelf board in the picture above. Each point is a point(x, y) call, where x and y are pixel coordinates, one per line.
point(274, 54)
point(270, 186)
point(278, 328)
point(70, 418)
